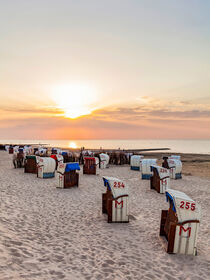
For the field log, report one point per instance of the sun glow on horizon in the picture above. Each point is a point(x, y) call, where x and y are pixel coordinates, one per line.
point(74, 99)
point(72, 145)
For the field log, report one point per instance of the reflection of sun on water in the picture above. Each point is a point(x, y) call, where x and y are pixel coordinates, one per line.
point(72, 145)
point(75, 100)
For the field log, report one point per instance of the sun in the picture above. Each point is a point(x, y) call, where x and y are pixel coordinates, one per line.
point(74, 99)
point(72, 145)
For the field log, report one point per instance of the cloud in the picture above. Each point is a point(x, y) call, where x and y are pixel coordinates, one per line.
point(150, 119)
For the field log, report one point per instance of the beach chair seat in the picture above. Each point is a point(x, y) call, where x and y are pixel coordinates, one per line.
point(91, 165)
point(68, 175)
point(45, 167)
point(135, 161)
point(180, 224)
point(160, 179)
point(115, 202)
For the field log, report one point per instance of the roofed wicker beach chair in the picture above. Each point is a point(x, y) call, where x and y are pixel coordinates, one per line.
point(135, 161)
point(180, 224)
point(45, 167)
point(115, 202)
point(104, 160)
point(91, 165)
point(175, 165)
point(68, 175)
point(145, 168)
point(160, 179)
point(18, 158)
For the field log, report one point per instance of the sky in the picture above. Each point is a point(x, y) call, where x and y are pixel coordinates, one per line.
point(104, 69)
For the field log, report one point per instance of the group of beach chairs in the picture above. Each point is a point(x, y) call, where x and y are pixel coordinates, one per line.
point(179, 224)
point(45, 163)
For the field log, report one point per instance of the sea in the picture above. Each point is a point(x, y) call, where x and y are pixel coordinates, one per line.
point(175, 146)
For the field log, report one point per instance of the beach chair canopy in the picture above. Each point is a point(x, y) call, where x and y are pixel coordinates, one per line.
point(72, 166)
point(146, 165)
point(116, 186)
point(92, 158)
point(162, 172)
point(57, 157)
point(185, 208)
point(175, 163)
point(31, 157)
point(54, 157)
point(104, 157)
point(136, 159)
point(66, 167)
point(47, 163)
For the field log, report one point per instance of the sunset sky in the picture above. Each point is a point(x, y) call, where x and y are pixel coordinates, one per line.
point(104, 69)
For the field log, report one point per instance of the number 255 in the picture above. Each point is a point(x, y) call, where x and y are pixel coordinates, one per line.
point(187, 205)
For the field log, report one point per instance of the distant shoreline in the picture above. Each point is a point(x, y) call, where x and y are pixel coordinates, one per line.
point(175, 146)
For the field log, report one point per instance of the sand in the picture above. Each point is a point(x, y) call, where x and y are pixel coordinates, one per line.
point(49, 233)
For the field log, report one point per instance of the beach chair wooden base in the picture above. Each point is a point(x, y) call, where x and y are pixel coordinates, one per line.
point(155, 183)
point(71, 179)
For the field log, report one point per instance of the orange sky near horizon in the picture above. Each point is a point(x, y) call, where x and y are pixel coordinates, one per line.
point(151, 119)
point(105, 70)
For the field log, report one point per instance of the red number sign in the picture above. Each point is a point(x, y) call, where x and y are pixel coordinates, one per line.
point(118, 185)
point(186, 205)
point(163, 170)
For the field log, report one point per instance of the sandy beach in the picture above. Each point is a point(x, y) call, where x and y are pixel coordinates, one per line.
point(49, 234)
